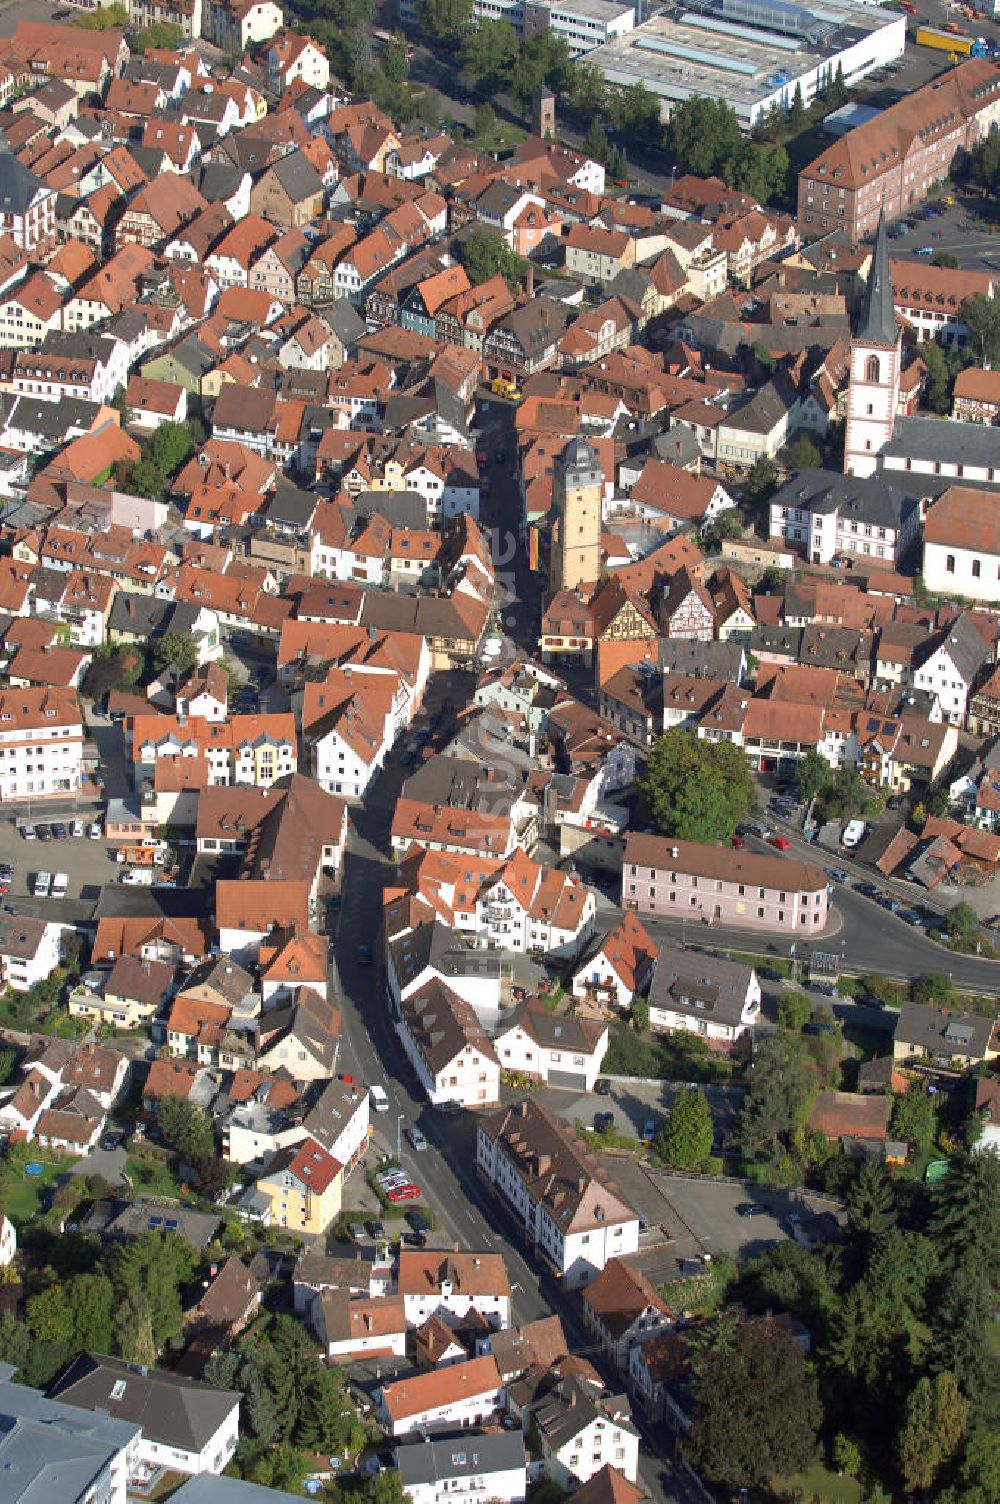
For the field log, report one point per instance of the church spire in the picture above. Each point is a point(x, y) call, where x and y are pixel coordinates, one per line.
point(877, 324)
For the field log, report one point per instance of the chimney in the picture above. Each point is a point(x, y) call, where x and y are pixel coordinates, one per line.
point(529, 280)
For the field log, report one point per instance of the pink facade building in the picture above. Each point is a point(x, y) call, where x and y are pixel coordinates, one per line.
point(716, 885)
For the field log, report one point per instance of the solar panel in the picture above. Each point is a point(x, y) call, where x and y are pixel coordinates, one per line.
point(155, 1222)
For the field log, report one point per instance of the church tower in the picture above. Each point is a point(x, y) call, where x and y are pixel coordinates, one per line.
point(873, 387)
point(576, 532)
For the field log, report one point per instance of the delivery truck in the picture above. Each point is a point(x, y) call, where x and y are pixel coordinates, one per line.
point(948, 41)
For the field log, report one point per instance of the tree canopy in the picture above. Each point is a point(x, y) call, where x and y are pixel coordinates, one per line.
point(757, 1410)
point(685, 1140)
point(485, 253)
point(696, 790)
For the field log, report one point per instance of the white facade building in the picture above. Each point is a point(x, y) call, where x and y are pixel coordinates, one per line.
point(570, 1216)
point(41, 743)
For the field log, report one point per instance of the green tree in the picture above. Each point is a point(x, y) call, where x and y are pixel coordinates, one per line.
point(794, 1010)
point(175, 650)
point(702, 133)
point(161, 34)
point(966, 1214)
point(8, 1059)
point(762, 481)
point(134, 1328)
point(542, 59)
point(596, 141)
point(92, 1301)
point(847, 1456)
point(757, 1408)
point(914, 1119)
point(984, 164)
point(836, 96)
point(588, 91)
point(489, 52)
point(446, 20)
point(805, 453)
point(170, 445)
point(395, 66)
point(50, 1316)
point(486, 254)
point(962, 923)
point(143, 478)
point(936, 989)
point(936, 1419)
point(726, 524)
point(940, 378)
point(639, 1015)
point(153, 1266)
point(780, 1094)
point(104, 18)
point(485, 121)
point(982, 315)
point(871, 1201)
point(813, 777)
point(796, 112)
point(186, 1128)
point(696, 790)
point(946, 259)
point(685, 1140)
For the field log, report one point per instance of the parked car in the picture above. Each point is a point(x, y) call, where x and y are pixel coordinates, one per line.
point(837, 875)
point(867, 890)
point(416, 1138)
point(603, 1121)
point(358, 1232)
point(415, 1239)
point(43, 884)
point(739, 842)
point(648, 1131)
point(913, 917)
point(60, 885)
point(59, 830)
point(389, 1178)
point(418, 1220)
point(364, 955)
point(602, 1086)
point(375, 1228)
point(94, 831)
point(137, 877)
point(44, 833)
point(925, 250)
point(76, 830)
point(780, 843)
point(404, 1193)
point(750, 1209)
point(29, 833)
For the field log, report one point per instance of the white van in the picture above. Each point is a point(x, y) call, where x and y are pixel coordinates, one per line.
point(43, 884)
point(379, 1100)
point(60, 885)
point(854, 832)
point(137, 877)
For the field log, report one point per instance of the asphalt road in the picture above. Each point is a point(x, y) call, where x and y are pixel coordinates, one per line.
point(370, 1050)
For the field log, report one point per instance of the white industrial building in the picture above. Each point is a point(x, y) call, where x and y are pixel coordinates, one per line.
point(585, 24)
point(752, 53)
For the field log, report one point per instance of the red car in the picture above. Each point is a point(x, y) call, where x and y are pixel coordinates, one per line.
point(739, 842)
point(405, 1193)
point(780, 843)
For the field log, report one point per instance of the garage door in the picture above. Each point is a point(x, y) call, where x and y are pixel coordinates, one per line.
point(574, 1080)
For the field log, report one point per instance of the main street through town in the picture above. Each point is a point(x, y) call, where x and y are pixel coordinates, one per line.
point(371, 1049)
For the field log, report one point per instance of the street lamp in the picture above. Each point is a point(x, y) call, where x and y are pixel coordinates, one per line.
point(399, 1133)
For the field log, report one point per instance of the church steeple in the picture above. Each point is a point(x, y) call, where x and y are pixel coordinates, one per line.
point(876, 354)
point(877, 324)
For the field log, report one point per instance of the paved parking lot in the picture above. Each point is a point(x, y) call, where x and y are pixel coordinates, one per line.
point(698, 1217)
point(88, 865)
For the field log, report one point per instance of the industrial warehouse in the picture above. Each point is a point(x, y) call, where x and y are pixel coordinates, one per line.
point(752, 53)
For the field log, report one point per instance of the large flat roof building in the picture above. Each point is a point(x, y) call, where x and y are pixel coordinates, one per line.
point(751, 53)
point(584, 24)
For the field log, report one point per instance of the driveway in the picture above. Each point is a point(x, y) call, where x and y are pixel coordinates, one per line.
point(109, 1164)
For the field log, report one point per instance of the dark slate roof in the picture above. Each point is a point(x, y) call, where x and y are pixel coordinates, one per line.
point(399, 508)
point(219, 181)
point(702, 660)
point(938, 439)
point(18, 185)
point(291, 507)
point(298, 177)
point(964, 646)
point(175, 1412)
point(943, 1032)
point(465, 1455)
point(873, 499)
point(877, 322)
point(144, 615)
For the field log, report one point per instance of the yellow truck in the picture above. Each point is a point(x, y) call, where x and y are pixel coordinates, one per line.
point(950, 41)
point(503, 388)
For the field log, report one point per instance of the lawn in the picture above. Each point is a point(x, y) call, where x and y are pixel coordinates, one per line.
point(149, 1173)
point(20, 1195)
point(501, 138)
point(819, 1483)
